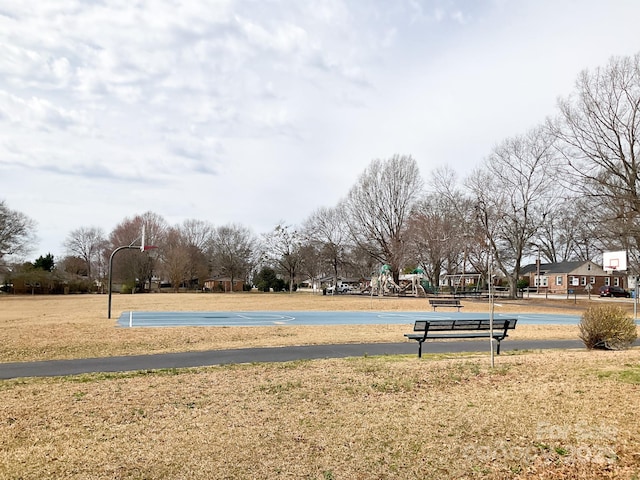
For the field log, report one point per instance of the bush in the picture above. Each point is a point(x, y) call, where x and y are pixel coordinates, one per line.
point(608, 327)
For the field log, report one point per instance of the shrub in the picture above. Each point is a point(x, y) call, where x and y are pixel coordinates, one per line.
point(608, 327)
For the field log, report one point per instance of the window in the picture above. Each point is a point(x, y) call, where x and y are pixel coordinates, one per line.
point(592, 280)
point(541, 281)
point(574, 281)
point(583, 281)
point(616, 281)
point(589, 267)
point(559, 280)
point(607, 281)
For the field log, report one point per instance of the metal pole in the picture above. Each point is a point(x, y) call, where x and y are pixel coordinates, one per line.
point(538, 273)
point(132, 247)
point(635, 298)
point(491, 308)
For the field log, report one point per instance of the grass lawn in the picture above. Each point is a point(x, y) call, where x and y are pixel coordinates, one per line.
point(76, 326)
point(538, 414)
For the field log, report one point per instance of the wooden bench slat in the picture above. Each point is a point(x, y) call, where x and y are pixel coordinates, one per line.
point(467, 335)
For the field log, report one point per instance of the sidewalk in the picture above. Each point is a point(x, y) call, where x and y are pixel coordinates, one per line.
point(55, 368)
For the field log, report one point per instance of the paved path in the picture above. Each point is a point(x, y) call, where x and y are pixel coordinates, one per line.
point(54, 368)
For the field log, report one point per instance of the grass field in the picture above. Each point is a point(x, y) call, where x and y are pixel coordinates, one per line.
point(537, 414)
point(45, 328)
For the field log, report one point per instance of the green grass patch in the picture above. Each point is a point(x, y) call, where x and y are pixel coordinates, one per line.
point(630, 374)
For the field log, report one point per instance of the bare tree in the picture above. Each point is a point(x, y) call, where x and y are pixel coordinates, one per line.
point(327, 232)
point(377, 208)
point(360, 263)
point(89, 245)
point(443, 229)
point(198, 236)
point(434, 236)
point(134, 267)
point(283, 250)
point(599, 135)
point(569, 231)
point(174, 256)
point(311, 263)
point(444, 236)
point(443, 182)
point(233, 249)
point(73, 265)
point(16, 232)
point(512, 191)
point(197, 233)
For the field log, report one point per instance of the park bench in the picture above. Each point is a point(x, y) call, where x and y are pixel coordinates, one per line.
point(460, 329)
point(445, 302)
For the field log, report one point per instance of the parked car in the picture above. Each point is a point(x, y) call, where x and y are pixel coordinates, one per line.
point(342, 288)
point(610, 291)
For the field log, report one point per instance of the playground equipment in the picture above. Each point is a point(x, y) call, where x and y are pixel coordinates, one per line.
point(463, 282)
point(382, 284)
point(413, 283)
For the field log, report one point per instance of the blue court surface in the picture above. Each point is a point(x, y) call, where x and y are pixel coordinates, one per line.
point(262, 319)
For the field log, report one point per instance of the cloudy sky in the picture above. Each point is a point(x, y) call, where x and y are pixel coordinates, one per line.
point(259, 111)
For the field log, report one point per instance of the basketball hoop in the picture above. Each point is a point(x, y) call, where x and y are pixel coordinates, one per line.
point(143, 246)
point(614, 261)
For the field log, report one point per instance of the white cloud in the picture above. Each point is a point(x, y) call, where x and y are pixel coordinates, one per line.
point(254, 112)
point(37, 113)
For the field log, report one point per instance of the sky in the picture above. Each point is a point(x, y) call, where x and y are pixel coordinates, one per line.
point(257, 112)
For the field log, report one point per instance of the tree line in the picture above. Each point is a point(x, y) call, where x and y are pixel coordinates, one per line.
point(567, 189)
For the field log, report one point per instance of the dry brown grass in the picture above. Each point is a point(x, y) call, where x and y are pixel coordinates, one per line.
point(548, 415)
point(42, 328)
point(537, 415)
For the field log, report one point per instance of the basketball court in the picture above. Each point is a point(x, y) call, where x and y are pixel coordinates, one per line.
point(262, 319)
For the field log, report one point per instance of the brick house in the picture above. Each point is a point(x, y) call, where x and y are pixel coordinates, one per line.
point(223, 284)
point(578, 276)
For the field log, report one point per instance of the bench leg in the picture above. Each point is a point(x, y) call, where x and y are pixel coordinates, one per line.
point(498, 347)
point(419, 349)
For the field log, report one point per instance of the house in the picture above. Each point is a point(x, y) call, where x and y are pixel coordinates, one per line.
point(223, 284)
point(563, 277)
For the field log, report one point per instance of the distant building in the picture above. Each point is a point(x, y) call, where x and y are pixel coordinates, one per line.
point(223, 284)
point(580, 277)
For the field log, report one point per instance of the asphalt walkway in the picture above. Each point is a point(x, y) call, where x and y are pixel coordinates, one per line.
point(55, 368)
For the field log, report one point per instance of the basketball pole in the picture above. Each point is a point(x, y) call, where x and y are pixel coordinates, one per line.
point(113, 254)
point(131, 246)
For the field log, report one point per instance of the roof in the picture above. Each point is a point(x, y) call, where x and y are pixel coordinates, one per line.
point(224, 279)
point(559, 268)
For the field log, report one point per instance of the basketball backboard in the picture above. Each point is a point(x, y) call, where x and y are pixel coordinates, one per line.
point(614, 261)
